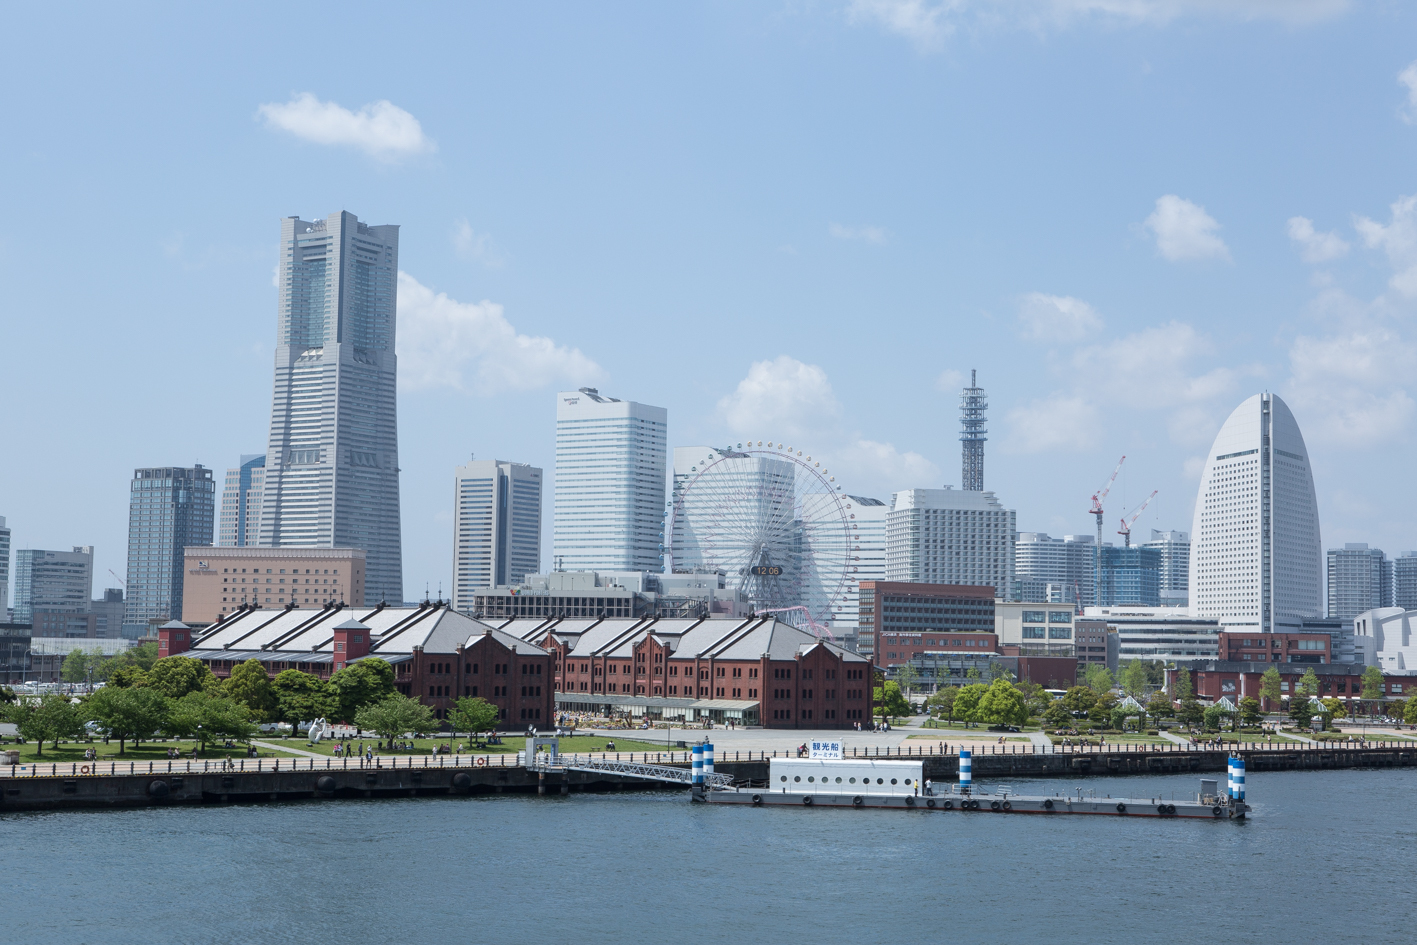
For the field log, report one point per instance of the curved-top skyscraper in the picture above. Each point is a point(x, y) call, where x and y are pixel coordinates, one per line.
point(1256, 558)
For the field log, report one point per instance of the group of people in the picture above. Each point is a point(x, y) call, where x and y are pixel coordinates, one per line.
point(877, 727)
point(346, 750)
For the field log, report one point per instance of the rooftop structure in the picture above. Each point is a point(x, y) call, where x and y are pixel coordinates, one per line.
point(973, 406)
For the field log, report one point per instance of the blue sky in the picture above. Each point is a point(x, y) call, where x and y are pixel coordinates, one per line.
point(803, 221)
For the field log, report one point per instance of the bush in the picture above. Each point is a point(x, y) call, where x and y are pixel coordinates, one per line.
point(1152, 731)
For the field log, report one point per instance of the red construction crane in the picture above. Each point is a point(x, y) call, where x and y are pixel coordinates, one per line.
point(1096, 510)
point(1126, 530)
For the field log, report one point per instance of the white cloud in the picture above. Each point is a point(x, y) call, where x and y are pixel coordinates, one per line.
point(1351, 385)
point(1398, 240)
point(475, 246)
point(1062, 421)
point(1408, 77)
point(927, 22)
point(950, 380)
point(380, 129)
point(870, 234)
point(1183, 231)
point(787, 400)
point(1056, 318)
point(446, 343)
point(1315, 247)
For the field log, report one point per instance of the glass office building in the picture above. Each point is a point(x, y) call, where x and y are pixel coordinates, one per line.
point(169, 508)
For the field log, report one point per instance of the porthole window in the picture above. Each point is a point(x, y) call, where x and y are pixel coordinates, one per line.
point(784, 777)
point(907, 780)
point(880, 780)
point(810, 778)
point(853, 780)
point(797, 777)
point(893, 780)
point(838, 780)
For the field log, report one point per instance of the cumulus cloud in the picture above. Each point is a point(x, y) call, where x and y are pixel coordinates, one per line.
point(788, 400)
point(1315, 247)
point(470, 345)
point(950, 380)
point(927, 22)
point(1056, 318)
point(1184, 231)
point(1398, 239)
point(1351, 385)
point(869, 234)
point(1061, 421)
point(1408, 77)
point(380, 129)
point(477, 247)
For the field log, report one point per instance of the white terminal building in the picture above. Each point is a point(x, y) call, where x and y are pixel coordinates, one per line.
point(950, 536)
point(610, 470)
point(1256, 561)
point(496, 527)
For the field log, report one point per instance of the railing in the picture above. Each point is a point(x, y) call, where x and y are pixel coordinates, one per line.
point(509, 760)
point(631, 769)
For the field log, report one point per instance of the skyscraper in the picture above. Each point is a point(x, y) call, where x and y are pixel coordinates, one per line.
point(973, 403)
point(610, 458)
point(950, 536)
point(332, 468)
point(1056, 570)
point(1404, 581)
point(496, 526)
point(4, 568)
point(867, 556)
point(240, 522)
point(1256, 559)
point(1359, 579)
point(55, 582)
point(1130, 576)
point(169, 508)
point(1175, 548)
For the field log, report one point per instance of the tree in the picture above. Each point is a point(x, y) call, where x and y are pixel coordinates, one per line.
point(1191, 713)
point(1213, 716)
point(1002, 704)
point(76, 666)
point(998, 670)
point(1270, 686)
point(1101, 711)
point(1058, 716)
point(1035, 697)
point(1250, 711)
point(474, 715)
point(1409, 714)
point(1134, 679)
point(1079, 699)
point(128, 713)
point(1159, 705)
point(302, 697)
point(1334, 709)
point(890, 703)
point(1301, 710)
point(125, 677)
point(207, 717)
point(1099, 678)
point(908, 676)
point(139, 657)
point(1372, 686)
point(50, 717)
point(396, 714)
point(7, 696)
point(250, 685)
point(1308, 684)
point(366, 682)
point(943, 701)
point(175, 676)
point(967, 701)
point(1184, 689)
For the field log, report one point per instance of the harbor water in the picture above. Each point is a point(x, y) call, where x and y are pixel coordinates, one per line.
point(1320, 859)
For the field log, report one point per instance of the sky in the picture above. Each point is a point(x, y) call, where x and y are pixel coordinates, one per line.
point(795, 221)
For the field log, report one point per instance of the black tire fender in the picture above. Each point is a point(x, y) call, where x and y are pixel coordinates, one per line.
point(757, 799)
point(949, 805)
point(1121, 808)
point(993, 805)
point(1048, 804)
point(1008, 805)
point(930, 802)
point(807, 801)
point(857, 801)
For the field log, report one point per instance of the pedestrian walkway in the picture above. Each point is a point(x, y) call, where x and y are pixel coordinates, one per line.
point(288, 750)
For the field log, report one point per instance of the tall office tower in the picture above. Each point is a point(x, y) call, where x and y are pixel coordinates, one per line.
point(4, 568)
point(610, 457)
point(867, 556)
point(108, 614)
point(1130, 576)
point(1359, 579)
point(1175, 548)
point(169, 508)
point(1404, 581)
point(332, 465)
point(1055, 570)
point(240, 522)
point(54, 582)
point(950, 536)
point(1256, 559)
point(973, 403)
point(496, 526)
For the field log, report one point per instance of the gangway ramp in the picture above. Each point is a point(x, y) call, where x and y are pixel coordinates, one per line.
point(544, 762)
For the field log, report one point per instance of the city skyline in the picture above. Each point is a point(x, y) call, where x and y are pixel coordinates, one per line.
point(1118, 289)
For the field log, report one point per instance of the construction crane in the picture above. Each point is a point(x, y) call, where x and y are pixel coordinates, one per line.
point(1096, 510)
point(1126, 530)
point(116, 577)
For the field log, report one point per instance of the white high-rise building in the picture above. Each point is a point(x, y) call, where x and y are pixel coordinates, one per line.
point(332, 465)
point(239, 524)
point(1359, 580)
point(496, 527)
point(4, 568)
point(950, 536)
point(1056, 570)
point(1256, 559)
point(610, 459)
point(1175, 548)
point(867, 557)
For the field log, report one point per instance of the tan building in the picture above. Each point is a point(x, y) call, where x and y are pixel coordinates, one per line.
point(219, 581)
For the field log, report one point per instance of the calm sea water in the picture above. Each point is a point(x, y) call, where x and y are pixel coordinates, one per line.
point(1325, 858)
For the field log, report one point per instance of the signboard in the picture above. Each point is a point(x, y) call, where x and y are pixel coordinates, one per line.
point(765, 570)
point(827, 751)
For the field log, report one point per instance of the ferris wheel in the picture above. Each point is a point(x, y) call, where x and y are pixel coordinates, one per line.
point(773, 521)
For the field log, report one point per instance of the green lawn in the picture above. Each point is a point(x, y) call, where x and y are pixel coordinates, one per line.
point(582, 744)
point(70, 752)
point(1128, 739)
point(970, 734)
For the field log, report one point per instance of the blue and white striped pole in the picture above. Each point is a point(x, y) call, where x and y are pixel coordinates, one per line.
point(698, 766)
point(1230, 776)
point(708, 759)
point(1239, 779)
point(966, 770)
